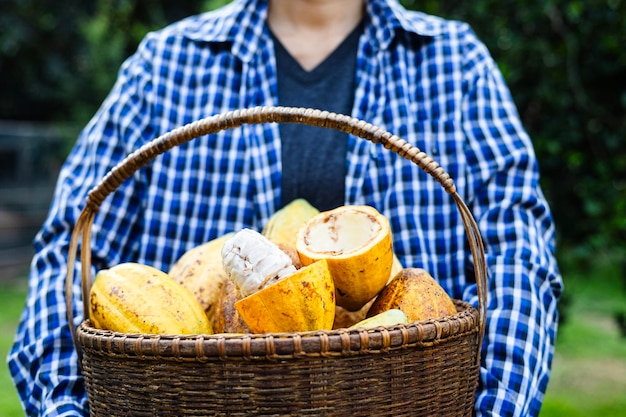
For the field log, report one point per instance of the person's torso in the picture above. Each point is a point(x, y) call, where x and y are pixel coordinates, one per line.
point(233, 179)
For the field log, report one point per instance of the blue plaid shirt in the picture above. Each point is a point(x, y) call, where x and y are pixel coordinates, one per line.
point(428, 80)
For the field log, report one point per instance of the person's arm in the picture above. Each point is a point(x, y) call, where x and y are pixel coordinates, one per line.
point(43, 362)
point(518, 232)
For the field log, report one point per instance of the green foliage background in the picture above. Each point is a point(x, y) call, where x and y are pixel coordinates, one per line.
point(565, 63)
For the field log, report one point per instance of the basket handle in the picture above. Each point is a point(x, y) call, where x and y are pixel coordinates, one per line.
point(257, 115)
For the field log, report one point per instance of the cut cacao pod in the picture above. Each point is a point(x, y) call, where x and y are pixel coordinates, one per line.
point(357, 243)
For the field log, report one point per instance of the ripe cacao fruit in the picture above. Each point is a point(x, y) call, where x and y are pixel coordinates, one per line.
point(303, 301)
point(346, 318)
point(386, 318)
point(254, 262)
point(356, 242)
point(417, 294)
point(201, 272)
point(282, 227)
point(136, 298)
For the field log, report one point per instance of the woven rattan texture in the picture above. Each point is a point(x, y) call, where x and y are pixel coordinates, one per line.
point(430, 381)
point(423, 369)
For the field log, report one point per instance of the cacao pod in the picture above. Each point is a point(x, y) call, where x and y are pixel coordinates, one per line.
point(300, 302)
point(201, 272)
point(282, 227)
point(136, 298)
point(417, 294)
point(357, 243)
point(386, 318)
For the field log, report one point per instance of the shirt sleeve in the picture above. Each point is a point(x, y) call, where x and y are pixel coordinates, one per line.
point(43, 361)
point(524, 283)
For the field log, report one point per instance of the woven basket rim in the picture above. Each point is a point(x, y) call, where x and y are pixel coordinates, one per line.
point(274, 346)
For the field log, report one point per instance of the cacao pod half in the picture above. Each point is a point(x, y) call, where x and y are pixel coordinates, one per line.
point(300, 302)
point(356, 242)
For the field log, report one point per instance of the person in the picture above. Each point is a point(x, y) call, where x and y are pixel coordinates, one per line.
point(424, 78)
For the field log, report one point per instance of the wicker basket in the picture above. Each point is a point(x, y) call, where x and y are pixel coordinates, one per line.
point(427, 368)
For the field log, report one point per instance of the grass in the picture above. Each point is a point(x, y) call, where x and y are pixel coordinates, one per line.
point(12, 297)
point(589, 369)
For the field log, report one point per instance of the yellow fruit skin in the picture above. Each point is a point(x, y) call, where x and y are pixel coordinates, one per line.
point(396, 268)
point(201, 272)
point(417, 294)
point(136, 298)
point(386, 318)
point(358, 275)
point(303, 301)
point(282, 227)
point(345, 318)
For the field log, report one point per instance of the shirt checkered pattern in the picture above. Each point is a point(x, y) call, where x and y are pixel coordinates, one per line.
point(428, 80)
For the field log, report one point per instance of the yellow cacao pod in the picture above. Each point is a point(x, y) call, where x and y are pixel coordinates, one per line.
point(303, 301)
point(386, 318)
point(346, 318)
point(357, 243)
point(282, 228)
point(136, 298)
point(417, 294)
point(201, 272)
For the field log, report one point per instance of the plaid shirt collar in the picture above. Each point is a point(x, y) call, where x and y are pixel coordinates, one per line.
point(242, 20)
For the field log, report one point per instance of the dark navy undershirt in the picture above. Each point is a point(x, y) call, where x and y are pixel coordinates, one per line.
point(314, 158)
